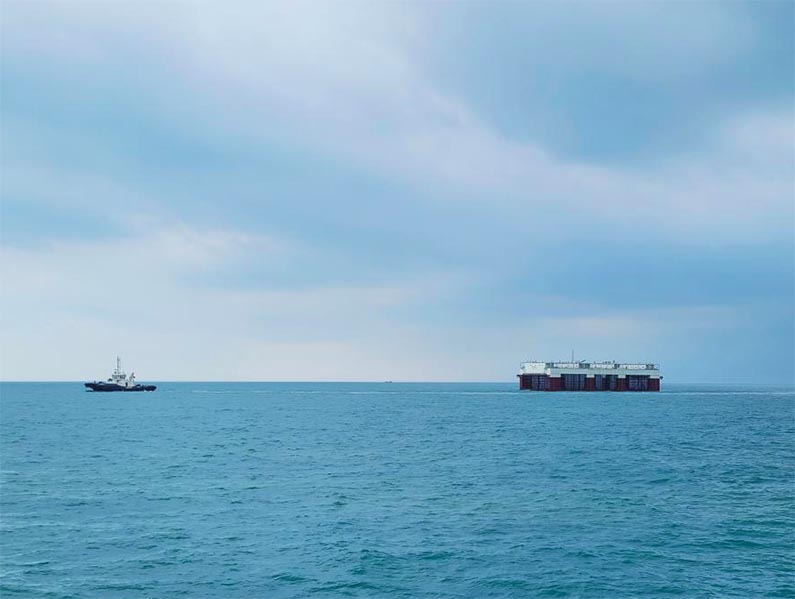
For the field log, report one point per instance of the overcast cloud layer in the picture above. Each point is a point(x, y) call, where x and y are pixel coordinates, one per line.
point(403, 191)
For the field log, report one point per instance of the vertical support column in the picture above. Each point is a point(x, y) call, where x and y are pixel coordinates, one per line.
point(555, 383)
point(590, 382)
point(654, 384)
point(621, 383)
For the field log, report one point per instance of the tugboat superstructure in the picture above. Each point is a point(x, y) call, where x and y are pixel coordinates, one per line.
point(119, 381)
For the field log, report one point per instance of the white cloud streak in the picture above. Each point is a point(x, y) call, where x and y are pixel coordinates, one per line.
point(345, 78)
point(137, 294)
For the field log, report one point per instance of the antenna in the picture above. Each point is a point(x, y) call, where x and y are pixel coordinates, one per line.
point(572, 355)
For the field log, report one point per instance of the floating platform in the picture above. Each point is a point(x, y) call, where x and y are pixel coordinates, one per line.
point(589, 376)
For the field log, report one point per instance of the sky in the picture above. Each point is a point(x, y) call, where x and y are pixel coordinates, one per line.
point(407, 191)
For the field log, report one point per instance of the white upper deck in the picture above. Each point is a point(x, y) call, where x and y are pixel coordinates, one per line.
point(621, 369)
point(119, 377)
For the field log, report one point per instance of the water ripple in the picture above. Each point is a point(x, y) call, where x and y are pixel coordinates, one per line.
point(400, 491)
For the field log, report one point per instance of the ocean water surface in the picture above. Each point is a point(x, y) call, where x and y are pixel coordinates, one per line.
point(280, 490)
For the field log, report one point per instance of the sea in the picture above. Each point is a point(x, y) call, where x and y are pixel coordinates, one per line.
point(303, 490)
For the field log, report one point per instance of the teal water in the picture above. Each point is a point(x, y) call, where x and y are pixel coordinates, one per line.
point(396, 490)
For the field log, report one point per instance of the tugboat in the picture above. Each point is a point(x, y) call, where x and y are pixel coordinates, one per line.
point(119, 381)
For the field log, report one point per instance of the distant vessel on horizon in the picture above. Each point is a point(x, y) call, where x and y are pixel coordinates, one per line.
point(119, 381)
point(589, 376)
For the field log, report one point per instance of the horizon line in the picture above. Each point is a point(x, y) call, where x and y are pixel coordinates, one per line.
point(385, 382)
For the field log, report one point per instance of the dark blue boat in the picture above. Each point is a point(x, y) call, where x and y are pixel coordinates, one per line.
point(119, 381)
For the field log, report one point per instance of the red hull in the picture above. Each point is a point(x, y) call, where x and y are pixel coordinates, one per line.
point(542, 382)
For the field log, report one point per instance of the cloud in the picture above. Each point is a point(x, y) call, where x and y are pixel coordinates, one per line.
point(147, 294)
point(346, 82)
point(333, 179)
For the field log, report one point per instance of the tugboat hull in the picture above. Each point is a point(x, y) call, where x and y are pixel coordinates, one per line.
point(113, 387)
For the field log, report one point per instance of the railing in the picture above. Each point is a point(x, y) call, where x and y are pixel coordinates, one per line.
point(595, 365)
